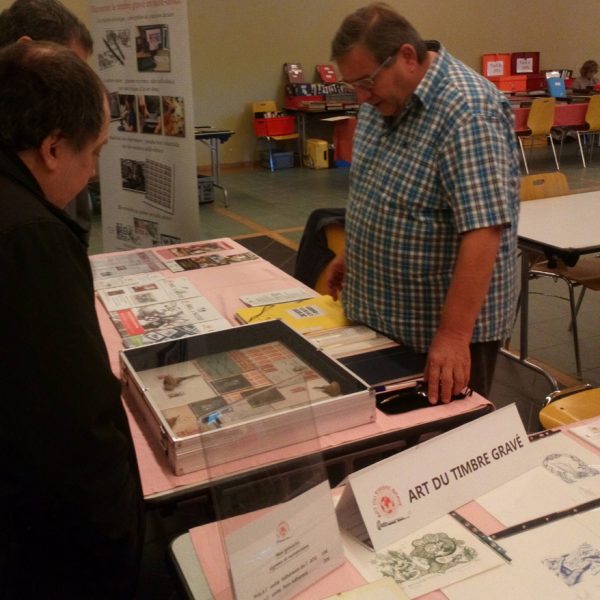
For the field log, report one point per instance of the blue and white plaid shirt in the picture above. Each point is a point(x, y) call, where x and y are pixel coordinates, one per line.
point(447, 165)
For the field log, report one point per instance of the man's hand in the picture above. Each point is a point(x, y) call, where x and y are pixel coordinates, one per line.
point(448, 367)
point(335, 276)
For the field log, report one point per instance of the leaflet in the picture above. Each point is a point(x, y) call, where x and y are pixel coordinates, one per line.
point(288, 549)
point(151, 292)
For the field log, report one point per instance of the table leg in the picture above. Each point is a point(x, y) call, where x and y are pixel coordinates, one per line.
point(524, 322)
point(215, 167)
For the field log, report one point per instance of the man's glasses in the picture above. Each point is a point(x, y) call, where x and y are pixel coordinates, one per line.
point(368, 83)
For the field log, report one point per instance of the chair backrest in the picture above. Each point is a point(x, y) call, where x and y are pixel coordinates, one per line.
point(544, 185)
point(592, 115)
point(264, 106)
point(541, 116)
point(336, 241)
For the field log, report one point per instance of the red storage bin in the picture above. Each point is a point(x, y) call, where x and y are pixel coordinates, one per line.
point(522, 63)
point(495, 65)
point(296, 102)
point(275, 125)
point(511, 83)
point(536, 82)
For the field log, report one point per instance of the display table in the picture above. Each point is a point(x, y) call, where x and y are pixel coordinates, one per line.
point(564, 227)
point(198, 554)
point(565, 115)
point(213, 138)
point(223, 286)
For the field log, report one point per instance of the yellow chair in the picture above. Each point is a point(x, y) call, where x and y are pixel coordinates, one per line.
point(592, 118)
point(570, 405)
point(335, 234)
point(539, 123)
point(585, 273)
point(274, 129)
point(544, 185)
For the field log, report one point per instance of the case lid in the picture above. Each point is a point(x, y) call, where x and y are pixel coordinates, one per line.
point(207, 382)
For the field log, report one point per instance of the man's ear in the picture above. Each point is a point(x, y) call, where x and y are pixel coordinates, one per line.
point(50, 150)
point(408, 53)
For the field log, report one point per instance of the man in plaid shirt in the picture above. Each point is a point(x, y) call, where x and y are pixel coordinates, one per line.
point(431, 223)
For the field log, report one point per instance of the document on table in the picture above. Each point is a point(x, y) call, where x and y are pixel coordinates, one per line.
point(286, 550)
point(436, 555)
point(589, 432)
point(566, 474)
point(560, 560)
point(382, 589)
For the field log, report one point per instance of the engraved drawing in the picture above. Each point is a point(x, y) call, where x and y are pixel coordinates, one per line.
point(434, 553)
point(573, 567)
point(568, 467)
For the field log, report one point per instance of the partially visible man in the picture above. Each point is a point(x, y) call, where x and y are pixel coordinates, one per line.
point(49, 20)
point(71, 514)
point(431, 224)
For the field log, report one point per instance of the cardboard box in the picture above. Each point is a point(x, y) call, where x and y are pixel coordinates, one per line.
point(206, 193)
point(522, 63)
point(275, 125)
point(231, 394)
point(316, 154)
point(495, 65)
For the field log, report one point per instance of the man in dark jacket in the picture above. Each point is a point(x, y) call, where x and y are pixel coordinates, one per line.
point(71, 517)
point(51, 21)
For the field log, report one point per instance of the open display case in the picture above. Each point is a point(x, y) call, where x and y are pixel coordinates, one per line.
point(239, 392)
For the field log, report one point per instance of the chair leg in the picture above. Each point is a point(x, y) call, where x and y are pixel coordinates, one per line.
point(592, 137)
point(574, 328)
point(562, 139)
point(523, 155)
point(579, 301)
point(554, 152)
point(581, 148)
point(572, 306)
point(271, 162)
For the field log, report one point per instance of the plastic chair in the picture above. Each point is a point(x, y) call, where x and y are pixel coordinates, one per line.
point(336, 238)
point(585, 273)
point(592, 118)
point(323, 240)
point(539, 123)
point(274, 129)
point(570, 405)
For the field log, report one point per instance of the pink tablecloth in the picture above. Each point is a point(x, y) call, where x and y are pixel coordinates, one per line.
point(565, 115)
point(222, 286)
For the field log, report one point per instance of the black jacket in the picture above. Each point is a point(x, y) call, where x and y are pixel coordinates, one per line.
point(71, 515)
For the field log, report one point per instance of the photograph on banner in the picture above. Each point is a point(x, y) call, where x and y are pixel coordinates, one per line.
point(148, 176)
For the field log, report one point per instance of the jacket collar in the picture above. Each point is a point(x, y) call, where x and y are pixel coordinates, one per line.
point(12, 167)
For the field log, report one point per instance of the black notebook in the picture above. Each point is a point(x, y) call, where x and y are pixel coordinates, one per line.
point(387, 366)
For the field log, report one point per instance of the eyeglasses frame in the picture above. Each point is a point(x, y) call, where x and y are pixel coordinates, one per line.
point(368, 82)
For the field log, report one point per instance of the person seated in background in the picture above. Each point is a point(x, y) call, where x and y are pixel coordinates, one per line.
point(71, 504)
point(587, 79)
